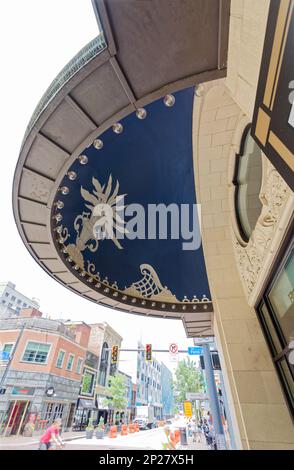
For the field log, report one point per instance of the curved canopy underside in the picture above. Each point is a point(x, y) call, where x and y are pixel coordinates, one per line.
point(144, 177)
point(147, 50)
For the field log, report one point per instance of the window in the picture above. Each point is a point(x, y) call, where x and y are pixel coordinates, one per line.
point(60, 358)
point(52, 411)
point(8, 347)
point(247, 181)
point(103, 364)
point(79, 365)
point(6, 294)
point(70, 362)
point(88, 383)
point(276, 315)
point(18, 301)
point(13, 298)
point(36, 352)
point(24, 305)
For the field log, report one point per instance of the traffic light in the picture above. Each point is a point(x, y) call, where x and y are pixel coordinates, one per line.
point(148, 352)
point(114, 354)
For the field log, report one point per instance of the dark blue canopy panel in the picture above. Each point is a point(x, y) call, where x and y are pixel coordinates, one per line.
point(128, 203)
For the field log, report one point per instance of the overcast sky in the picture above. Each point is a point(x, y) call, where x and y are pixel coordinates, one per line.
point(37, 39)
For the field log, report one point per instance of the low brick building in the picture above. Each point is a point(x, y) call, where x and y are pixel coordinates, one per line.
point(41, 371)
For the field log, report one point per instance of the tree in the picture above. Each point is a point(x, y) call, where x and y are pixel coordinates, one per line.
point(188, 379)
point(116, 394)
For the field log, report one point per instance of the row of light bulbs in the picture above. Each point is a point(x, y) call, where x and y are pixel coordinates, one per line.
point(134, 300)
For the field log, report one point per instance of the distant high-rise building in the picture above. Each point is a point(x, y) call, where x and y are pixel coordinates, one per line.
point(149, 382)
point(167, 391)
point(12, 301)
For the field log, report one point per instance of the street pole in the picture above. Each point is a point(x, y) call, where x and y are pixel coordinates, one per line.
point(213, 399)
point(228, 414)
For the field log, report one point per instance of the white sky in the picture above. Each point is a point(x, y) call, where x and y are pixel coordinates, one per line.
point(37, 39)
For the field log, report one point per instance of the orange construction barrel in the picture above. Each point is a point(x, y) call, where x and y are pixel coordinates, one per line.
point(113, 431)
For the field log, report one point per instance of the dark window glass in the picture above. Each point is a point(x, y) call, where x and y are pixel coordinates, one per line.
point(281, 297)
point(276, 313)
point(103, 365)
point(36, 352)
point(247, 180)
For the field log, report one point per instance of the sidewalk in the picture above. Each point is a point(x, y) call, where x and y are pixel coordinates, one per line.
point(197, 445)
point(12, 441)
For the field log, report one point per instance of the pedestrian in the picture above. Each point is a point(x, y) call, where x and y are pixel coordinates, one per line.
point(52, 434)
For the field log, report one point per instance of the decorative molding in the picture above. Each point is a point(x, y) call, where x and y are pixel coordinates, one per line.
point(253, 259)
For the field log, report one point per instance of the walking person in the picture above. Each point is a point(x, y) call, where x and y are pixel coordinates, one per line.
point(52, 435)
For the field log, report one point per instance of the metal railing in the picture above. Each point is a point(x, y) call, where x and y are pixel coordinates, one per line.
point(85, 55)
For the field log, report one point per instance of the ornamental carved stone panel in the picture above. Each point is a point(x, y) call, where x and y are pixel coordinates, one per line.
point(253, 258)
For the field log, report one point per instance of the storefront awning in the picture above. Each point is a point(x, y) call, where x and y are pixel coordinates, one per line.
point(89, 404)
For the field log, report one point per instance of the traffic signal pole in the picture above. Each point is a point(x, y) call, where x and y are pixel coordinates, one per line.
point(213, 399)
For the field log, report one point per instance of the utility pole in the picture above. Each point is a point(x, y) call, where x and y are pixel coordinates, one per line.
point(228, 414)
point(213, 399)
point(11, 356)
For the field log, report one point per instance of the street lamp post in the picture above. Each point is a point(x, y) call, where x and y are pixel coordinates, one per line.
point(213, 399)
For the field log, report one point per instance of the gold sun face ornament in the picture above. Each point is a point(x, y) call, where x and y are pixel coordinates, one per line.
point(105, 206)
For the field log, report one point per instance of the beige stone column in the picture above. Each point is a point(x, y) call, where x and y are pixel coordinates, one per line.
point(259, 410)
point(259, 407)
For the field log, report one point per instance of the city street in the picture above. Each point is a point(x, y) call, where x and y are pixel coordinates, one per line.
point(150, 439)
point(144, 440)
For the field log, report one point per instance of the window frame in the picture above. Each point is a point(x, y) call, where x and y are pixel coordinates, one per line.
point(64, 353)
point(10, 343)
point(235, 182)
point(277, 356)
point(94, 380)
point(34, 362)
point(81, 360)
point(72, 364)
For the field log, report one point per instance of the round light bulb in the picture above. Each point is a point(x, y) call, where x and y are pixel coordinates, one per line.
point(169, 100)
point(117, 128)
point(72, 175)
point(98, 144)
point(64, 190)
point(83, 159)
point(141, 113)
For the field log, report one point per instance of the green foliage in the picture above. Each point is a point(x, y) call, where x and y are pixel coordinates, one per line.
point(87, 383)
point(117, 391)
point(90, 426)
point(100, 426)
point(188, 379)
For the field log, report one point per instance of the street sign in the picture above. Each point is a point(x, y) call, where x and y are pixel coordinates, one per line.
point(188, 409)
point(203, 340)
point(4, 356)
point(194, 351)
point(173, 352)
point(196, 396)
point(173, 348)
